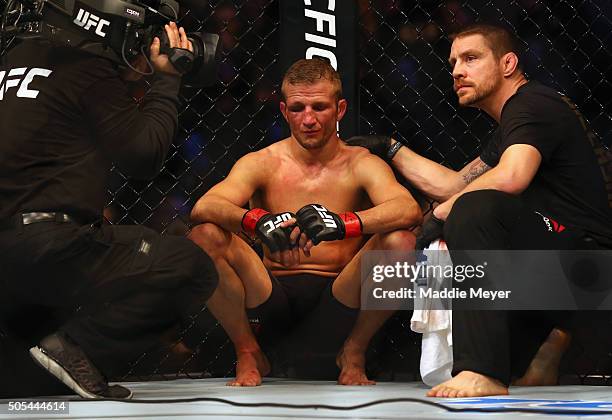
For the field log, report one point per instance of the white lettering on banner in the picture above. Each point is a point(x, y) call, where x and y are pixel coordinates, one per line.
point(319, 52)
point(88, 20)
point(322, 17)
point(321, 40)
point(325, 24)
point(24, 90)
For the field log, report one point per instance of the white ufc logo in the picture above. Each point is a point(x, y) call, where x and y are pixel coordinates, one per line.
point(15, 77)
point(88, 20)
point(273, 224)
point(327, 218)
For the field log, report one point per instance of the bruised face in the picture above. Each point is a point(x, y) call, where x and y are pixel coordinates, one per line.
point(477, 73)
point(312, 112)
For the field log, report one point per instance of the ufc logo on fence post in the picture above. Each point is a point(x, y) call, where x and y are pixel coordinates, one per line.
point(87, 20)
point(327, 219)
point(12, 81)
point(273, 224)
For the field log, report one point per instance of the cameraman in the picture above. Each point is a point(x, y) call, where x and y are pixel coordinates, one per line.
point(66, 116)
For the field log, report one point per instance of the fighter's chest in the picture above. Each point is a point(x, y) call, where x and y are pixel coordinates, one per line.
point(294, 188)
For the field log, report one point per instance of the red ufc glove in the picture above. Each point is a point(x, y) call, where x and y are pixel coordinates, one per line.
point(266, 226)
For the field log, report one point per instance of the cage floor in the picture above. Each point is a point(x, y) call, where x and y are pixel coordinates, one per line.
point(555, 399)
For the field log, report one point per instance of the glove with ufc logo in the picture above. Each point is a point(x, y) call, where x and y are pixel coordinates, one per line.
point(266, 226)
point(320, 224)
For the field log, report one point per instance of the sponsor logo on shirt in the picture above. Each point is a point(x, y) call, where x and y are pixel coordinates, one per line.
point(20, 78)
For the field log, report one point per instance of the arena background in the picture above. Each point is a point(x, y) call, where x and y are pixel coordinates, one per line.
point(405, 90)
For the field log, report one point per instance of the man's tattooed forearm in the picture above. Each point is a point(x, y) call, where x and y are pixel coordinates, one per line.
point(474, 171)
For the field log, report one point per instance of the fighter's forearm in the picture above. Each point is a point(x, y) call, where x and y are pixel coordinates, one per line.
point(398, 213)
point(220, 211)
point(434, 180)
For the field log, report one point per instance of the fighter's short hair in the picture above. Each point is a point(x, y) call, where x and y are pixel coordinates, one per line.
point(499, 39)
point(310, 71)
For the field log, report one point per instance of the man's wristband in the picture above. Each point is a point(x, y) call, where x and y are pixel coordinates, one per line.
point(352, 224)
point(250, 219)
point(393, 150)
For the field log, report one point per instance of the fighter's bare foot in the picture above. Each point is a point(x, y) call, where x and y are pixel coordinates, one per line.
point(468, 384)
point(251, 366)
point(351, 362)
point(544, 368)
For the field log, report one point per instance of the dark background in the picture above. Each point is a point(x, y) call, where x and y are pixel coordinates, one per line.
point(405, 91)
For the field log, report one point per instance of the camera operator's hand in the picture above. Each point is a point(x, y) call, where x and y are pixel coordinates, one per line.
point(177, 39)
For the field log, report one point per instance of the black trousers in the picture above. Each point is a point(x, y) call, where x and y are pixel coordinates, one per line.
point(112, 289)
point(494, 220)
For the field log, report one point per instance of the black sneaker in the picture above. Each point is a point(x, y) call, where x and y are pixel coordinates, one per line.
point(65, 360)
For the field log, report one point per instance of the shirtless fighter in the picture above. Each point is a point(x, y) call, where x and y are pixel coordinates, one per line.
point(345, 201)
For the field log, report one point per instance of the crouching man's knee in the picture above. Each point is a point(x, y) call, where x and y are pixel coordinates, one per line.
point(476, 212)
point(398, 240)
point(211, 238)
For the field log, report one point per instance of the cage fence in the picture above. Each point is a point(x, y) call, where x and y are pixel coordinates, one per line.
point(405, 90)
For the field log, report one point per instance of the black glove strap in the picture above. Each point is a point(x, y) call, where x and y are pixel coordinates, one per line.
point(393, 150)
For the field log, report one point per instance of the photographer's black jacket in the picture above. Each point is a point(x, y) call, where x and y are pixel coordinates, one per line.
point(65, 116)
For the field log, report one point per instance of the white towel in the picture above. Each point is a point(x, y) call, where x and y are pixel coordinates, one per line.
point(435, 325)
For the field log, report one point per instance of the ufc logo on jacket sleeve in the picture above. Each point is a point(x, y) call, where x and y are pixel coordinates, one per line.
point(15, 78)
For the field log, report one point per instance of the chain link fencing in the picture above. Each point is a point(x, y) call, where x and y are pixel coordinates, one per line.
point(405, 91)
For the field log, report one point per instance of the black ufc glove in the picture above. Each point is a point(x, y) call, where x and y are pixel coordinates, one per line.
point(266, 226)
point(432, 229)
point(377, 145)
point(320, 224)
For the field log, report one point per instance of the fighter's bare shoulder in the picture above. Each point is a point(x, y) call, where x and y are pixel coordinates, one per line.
point(361, 158)
point(263, 160)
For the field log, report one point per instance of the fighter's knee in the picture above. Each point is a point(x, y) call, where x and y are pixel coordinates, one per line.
point(211, 238)
point(398, 240)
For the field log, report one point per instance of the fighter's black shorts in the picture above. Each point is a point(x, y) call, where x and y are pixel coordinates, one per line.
point(302, 320)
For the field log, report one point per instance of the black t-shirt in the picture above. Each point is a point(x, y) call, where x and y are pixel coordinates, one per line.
point(65, 116)
point(569, 185)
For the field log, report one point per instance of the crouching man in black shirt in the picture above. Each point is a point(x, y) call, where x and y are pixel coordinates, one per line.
point(536, 185)
point(66, 115)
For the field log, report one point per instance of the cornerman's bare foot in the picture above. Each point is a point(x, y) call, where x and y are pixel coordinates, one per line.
point(351, 362)
point(468, 384)
point(251, 366)
point(544, 368)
